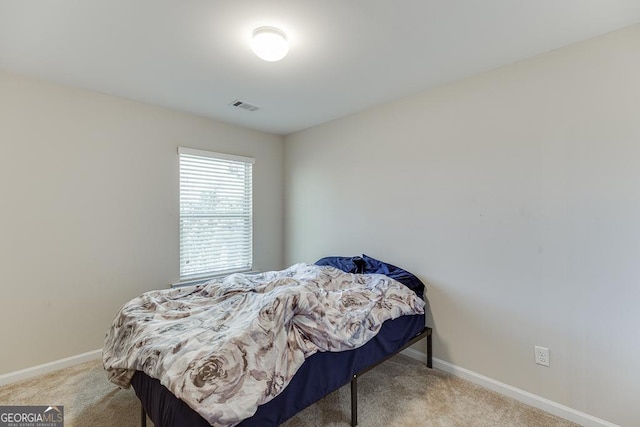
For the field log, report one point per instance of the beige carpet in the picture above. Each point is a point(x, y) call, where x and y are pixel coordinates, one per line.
point(400, 392)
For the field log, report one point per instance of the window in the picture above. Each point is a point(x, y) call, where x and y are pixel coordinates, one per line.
point(216, 224)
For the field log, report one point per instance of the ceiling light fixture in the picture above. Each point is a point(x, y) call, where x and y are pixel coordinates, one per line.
point(270, 43)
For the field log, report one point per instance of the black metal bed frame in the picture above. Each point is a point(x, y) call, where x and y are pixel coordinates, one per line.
point(425, 333)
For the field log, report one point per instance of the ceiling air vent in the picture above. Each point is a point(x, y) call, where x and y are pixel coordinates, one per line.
point(244, 105)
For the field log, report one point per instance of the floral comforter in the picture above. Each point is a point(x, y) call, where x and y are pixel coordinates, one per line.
point(229, 345)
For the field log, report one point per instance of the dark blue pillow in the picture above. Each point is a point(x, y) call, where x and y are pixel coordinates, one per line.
point(368, 265)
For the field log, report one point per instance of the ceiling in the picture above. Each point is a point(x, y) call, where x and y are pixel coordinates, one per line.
point(345, 55)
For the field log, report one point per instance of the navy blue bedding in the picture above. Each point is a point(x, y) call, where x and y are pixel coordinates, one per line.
point(318, 376)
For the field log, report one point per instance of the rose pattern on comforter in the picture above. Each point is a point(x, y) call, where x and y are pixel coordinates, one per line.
point(230, 345)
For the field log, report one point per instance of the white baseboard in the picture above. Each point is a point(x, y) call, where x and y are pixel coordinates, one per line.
point(34, 371)
point(513, 392)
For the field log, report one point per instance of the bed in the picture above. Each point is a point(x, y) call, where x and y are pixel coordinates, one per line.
point(319, 374)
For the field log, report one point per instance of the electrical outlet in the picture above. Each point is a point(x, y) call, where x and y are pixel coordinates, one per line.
point(542, 355)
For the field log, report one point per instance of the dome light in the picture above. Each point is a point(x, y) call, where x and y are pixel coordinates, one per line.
point(270, 43)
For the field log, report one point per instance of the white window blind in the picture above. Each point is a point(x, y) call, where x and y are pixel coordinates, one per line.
point(216, 225)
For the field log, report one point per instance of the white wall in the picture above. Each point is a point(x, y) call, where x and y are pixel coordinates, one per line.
point(516, 196)
point(89, 217)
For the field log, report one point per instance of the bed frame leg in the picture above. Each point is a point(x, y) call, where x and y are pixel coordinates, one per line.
point(143, 417)
point(354, 401)
point(429, 350)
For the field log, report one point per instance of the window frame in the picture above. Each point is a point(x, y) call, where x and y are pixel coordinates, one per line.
point(184, 155)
